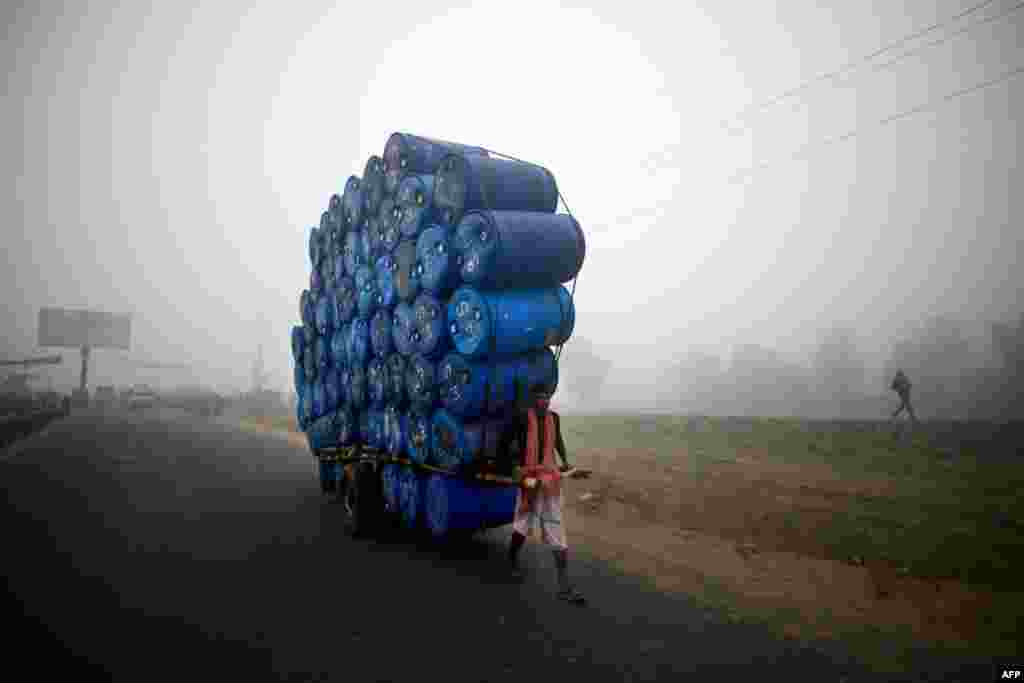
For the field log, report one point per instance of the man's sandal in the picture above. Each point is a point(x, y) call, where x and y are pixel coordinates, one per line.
point(571, 595)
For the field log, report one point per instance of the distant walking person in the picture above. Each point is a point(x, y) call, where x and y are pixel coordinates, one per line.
point(901, 385)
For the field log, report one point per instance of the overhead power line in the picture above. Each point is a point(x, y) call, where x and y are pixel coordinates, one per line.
point(877, 68)
point(860, 130)
point(969, 27)
point(849, 66)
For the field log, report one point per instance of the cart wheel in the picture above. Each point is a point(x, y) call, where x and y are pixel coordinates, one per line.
point(362, 501)
point(340, 489)
point(321, 473)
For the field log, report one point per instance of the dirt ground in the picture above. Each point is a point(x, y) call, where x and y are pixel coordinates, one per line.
point(729, 527)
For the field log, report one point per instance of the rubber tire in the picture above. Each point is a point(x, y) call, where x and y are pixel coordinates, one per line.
point(339, 489)
point(363, 505)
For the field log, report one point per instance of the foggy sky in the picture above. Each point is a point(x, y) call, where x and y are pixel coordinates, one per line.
point(169, 161)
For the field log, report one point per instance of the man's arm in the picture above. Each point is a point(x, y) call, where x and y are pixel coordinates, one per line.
point(559, 443)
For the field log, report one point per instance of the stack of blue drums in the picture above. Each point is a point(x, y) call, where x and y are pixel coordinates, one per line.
point(437, 284)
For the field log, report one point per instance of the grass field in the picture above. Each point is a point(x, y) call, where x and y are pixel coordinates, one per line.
point(864, 532)
point(861, 531)
point(944, 513)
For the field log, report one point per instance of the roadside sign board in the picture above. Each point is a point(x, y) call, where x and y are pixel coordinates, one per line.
point(61, 327)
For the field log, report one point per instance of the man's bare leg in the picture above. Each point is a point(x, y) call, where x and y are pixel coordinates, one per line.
point(565, 589)
point(514, 546)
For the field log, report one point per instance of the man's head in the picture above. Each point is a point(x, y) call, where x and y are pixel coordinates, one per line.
point(540, 396)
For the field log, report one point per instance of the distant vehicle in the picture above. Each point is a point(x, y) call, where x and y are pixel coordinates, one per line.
point(141, 397)
point(105, 397)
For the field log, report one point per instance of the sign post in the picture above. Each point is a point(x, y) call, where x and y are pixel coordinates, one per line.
point(85, 370)
point(84, 330)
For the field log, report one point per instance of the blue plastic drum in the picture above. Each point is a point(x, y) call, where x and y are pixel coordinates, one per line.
point(300, 408)
point(353, 201)
point(387, 224)
point(402, 329)
point(363, 418)
point(406, 274)
point(452, 505)
point(518, 249)
point(344, 378)
point(389, 487)
point(405, 153)
point(468, 183)
point(457, 443)
point(331, 391)
point(306, 308)
point(319, 398)
point(377, 382)
point(322, 352)
point(346, 425)
point(307, 404)
point(385, 273)
point(298, 342)
point(366, 292)
point(323, 433)
point(395, 429)
point(499, 505)
point(412, 499)
point(339, 347)
point(309, 365)
point(509, 322)
point(316, 284)
point(374, 245)
point(335, 210)
point(357, 386)
point(381, 343)
point(326, 306)
point(373, 185)
point(327, 274)
point(375, 424)
point(457, 505)
point(345, 297)
point(470, 388)
point(437, 268)
point(359, 342)
point(397, 367)
point(421, 383)
point(415, 201)
point(355, 253)
point(314, 247)
point(418, 437)
point(430, 337)
point(339, 265)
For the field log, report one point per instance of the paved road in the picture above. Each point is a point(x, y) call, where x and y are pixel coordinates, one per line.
point(161, 546)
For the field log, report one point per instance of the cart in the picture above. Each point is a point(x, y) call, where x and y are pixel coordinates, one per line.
point(351, 476)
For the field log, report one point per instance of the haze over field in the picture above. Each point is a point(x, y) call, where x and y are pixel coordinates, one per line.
point(169, 161)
